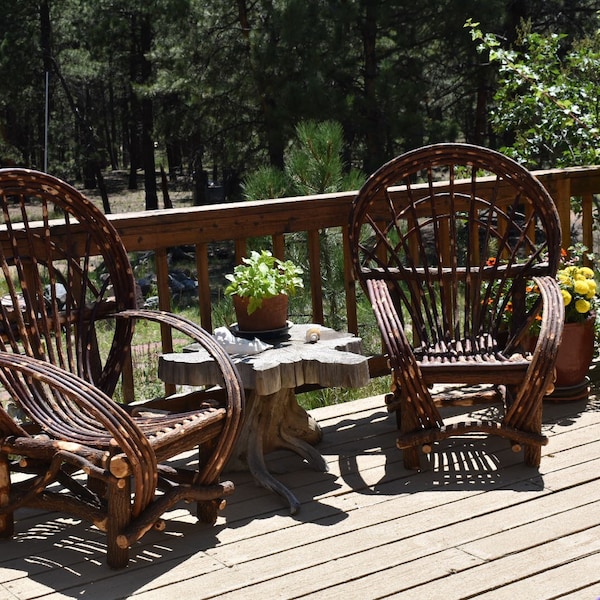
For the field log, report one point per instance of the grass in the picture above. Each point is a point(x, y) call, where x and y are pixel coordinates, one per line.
point(330, 396)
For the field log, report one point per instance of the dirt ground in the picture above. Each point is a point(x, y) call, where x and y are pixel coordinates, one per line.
point(122, 199)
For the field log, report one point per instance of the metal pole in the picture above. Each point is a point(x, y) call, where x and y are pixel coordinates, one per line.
point(46, 121)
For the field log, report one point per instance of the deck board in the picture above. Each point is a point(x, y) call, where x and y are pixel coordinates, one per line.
point(474, 523)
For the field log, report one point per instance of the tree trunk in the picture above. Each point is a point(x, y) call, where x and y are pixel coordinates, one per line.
point(148, 156)
point(133, 143)
point(373, 142)
point(110, 126)
point(133, 109)
point(267, 96)
point(146, 36)
point(45, 43)
point(173, 159)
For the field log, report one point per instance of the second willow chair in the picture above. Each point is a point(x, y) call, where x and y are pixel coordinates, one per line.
point(449, 241)
point(66, 325)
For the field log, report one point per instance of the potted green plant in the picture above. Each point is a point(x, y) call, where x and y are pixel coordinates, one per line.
point(260, 287)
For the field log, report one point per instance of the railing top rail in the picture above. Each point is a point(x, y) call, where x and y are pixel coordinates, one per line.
point(212, 223)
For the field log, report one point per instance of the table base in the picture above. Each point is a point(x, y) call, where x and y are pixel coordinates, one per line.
point(271, 423)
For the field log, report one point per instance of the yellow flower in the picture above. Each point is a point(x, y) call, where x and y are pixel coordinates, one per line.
point(582, 306)
point(563, 279)
point(581, 287)
point(591, 289)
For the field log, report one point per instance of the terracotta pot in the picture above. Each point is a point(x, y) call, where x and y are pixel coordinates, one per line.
point(272, 315)
point(575, 353)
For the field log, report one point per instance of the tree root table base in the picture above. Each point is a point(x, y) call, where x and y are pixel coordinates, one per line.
point(275, 422)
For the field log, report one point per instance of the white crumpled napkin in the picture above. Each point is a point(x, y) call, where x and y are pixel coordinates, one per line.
point(238, 345)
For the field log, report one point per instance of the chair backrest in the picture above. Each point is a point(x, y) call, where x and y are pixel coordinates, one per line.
point(458, 231)
point(56, 285)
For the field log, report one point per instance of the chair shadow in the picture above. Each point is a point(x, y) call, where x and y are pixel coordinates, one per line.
point(56, 552)
point(473, 462)
point(69, 556)
point(454, 464)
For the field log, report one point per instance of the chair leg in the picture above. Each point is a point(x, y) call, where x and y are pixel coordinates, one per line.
point(533, 452)
point(119, 515)
point(7, 523)
point(97, 486)
point(207, 512)
point(532, 455)
point(411, 459)
point(398, 414)
point(408, 422)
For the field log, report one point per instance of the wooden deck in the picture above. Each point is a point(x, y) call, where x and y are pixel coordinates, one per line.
point(475, 523)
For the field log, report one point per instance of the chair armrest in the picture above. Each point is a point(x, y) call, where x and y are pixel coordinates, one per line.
point(540, 372)
point(71, 409)
point(232, 382)
point(553, 320)
point(400, 352)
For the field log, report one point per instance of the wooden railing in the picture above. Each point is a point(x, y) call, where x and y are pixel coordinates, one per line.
point(238, 222)
point(201, 227)
point(157, 231)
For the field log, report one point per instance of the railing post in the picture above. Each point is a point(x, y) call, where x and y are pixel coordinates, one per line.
point(350, 285)
point(587, 208)
point(279, 246)
point(316, 287)
point(562, 198)
point(240, 250)
point(164, 303)
point(204, 296)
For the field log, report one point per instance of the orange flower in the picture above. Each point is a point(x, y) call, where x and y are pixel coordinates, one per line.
point(490, 262)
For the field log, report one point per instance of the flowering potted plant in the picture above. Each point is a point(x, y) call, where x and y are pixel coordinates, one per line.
point(260, 287)
point(579, 290)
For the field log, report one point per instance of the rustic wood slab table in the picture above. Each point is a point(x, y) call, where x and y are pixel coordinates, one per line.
point(273, 418)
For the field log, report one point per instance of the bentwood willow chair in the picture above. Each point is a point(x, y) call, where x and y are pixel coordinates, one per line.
point(66, 321)
point(446, 241)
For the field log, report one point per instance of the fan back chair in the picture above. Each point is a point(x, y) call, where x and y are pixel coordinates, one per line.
point(61, 380)
point(446, 241)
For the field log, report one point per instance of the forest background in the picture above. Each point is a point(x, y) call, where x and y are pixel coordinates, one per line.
point(218, 100)
point(214, 89)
